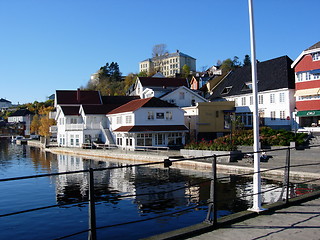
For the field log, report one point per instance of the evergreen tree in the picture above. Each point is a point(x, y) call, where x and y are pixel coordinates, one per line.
point(246, 61)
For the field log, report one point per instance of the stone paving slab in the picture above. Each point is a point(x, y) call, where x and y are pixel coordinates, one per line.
point(294, 223)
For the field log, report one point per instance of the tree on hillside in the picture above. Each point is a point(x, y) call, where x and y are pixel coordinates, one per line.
point(229, 64)
point(185, 70)
point(107, 80)
point(247, 60)
point(159, 50)
point(129, 80)
point(45, 124)
point(35, 124)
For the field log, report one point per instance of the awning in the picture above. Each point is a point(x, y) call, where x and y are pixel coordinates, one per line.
point(309, 113)
point(316, 71)
point(307, 92)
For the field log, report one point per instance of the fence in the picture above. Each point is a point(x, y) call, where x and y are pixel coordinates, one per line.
point(212, 202)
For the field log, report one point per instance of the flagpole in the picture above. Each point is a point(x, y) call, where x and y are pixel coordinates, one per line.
point(256, 176)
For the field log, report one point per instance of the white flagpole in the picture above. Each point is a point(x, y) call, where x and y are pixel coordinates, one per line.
point(256, 177)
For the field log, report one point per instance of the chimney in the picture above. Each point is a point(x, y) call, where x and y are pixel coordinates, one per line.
point(78, 95)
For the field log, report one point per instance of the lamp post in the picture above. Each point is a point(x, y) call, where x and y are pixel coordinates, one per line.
point(256, 176)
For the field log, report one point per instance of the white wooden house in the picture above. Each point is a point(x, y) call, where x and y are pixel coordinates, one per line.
point(276, 100)
point(147, 122)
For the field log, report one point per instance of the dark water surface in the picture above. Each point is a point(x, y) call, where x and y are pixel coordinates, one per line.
point(144, 186)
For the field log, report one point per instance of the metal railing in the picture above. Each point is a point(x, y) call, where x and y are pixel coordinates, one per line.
point(212, 202)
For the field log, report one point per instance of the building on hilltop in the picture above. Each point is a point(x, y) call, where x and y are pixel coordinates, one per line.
point(307, 82)
point(168, 64)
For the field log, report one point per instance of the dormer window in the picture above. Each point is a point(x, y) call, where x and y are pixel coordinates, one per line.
point(316, 56)
point(226, 90)
point(246, 86)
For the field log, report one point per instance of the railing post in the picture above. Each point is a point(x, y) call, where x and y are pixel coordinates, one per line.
point(287, 174)
point(92, 211)
point(212, 208)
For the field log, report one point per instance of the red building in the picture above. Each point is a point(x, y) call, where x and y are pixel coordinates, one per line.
point(307, 84)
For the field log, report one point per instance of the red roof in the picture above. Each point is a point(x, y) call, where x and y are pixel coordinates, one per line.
point(163, 82)
point(139, 103)
point(77, 97)
point(152, 128)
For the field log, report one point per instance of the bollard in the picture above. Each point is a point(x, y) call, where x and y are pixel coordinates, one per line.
point(212, 208)
point(287, 174)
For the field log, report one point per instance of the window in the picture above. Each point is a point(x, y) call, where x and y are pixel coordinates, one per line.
point(281, 97)
point(159, 139)
point(308, 76)
point(169, 115)
point(73, 120)
point(272, 98)
point(181, 95)
point(273, 115)
point(144, 139)
point(119, 139)
point(260, 99)
point(150, 116)
point(77, 140)
point(250, 120)
point(299, 77)
point(128, 119)
point(159, 115)
point(226, 90)
point(71, 140)
point(119, 120)
point(243, 101)
point(174, 138)
point(282, 115)
point(246, 86)
point(193, 102)
point(251, 100)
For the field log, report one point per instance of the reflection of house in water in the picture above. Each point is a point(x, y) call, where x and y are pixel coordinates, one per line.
point(108, 183)
point(161, 189)
point(270, 192)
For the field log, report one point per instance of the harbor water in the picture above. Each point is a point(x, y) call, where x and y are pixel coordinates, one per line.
point(125, 197)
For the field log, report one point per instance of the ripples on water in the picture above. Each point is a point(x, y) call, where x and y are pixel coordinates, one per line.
point(122, 195)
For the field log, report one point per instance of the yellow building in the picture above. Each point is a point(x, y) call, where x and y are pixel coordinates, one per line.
point(209, 120)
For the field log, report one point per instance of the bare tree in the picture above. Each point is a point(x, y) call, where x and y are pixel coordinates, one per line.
point(159, 50)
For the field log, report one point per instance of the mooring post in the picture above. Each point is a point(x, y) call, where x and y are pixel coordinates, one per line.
point(92, 210)
point(287, 174)
point(212, 208)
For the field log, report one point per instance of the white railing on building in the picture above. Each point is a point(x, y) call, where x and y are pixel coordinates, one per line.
point(74, 127)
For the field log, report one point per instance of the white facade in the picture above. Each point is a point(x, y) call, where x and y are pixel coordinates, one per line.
point(158, 119)
point(183, 97)
point(76, 130)
point(275, 108)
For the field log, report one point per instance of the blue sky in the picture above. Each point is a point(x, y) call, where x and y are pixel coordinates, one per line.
point(48, 45)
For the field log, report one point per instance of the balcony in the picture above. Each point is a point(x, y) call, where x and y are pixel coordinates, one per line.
point(74, 127)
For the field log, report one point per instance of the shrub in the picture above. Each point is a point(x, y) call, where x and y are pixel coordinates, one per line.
point(268, 137)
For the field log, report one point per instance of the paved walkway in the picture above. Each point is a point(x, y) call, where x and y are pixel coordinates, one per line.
point(294, 223)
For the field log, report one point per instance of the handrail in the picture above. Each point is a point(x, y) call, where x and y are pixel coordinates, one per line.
point(212, 201)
